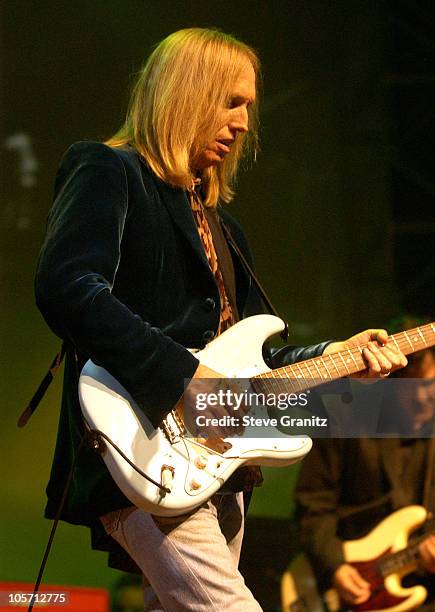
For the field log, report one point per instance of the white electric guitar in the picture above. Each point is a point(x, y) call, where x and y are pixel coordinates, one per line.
point(168, 473)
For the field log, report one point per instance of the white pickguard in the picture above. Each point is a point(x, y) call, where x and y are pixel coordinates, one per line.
point(109, 408)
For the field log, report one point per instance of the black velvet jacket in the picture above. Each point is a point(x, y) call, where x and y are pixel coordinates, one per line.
point(123, 277)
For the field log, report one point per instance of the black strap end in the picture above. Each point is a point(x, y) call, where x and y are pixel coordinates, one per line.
point(25, 416)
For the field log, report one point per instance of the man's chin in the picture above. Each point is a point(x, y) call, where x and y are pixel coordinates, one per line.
point(209, 162)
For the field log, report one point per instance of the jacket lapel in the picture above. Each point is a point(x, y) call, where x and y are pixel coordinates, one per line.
point(177, 204)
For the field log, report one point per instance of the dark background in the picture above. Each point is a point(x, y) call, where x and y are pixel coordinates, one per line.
point(339, 207)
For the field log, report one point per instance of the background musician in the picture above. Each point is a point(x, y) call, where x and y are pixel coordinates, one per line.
point(347, 486)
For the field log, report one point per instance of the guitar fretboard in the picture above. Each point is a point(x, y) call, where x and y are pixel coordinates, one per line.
point(312, 372)
point(408, 556)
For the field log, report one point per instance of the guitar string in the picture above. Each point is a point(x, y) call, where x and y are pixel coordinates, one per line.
point(401, 339)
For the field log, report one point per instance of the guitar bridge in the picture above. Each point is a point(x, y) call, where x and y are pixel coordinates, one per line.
point(173, 427)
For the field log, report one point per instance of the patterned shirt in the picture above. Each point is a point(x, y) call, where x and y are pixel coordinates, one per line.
point(227, 318)
point(246, 477)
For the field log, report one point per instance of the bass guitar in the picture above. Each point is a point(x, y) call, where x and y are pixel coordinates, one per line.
point(383, 558)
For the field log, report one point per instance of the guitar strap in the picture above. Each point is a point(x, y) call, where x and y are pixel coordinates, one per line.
point(43, 386)
point(270, 307)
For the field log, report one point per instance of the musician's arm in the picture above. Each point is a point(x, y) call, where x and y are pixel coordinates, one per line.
point(75, 277)
point(380, 356)
point(288, 355)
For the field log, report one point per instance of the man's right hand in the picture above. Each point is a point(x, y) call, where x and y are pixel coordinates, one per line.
point(215, 382)
point(351, 586)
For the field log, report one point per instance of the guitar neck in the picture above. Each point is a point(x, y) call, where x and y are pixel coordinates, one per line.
point(403, 558)
point(350, 361)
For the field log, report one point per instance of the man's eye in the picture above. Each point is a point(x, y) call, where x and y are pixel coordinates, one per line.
point(236, 102)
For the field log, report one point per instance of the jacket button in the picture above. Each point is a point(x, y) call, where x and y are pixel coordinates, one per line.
point(208, 335)
point(210, 303)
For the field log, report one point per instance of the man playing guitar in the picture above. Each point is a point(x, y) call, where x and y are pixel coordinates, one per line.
point(135, 269)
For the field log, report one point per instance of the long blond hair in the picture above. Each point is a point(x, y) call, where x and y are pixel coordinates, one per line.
point(173, 110)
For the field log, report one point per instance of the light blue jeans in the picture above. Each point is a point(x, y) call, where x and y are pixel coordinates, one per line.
point(190, 561)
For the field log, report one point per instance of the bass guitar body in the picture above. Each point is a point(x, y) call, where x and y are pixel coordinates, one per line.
point(383, 558)
point(379, 559)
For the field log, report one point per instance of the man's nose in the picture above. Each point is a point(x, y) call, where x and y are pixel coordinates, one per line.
point(240, 120)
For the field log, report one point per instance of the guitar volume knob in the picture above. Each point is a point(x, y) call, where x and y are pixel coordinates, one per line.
point(201, 462)
point(195, 484)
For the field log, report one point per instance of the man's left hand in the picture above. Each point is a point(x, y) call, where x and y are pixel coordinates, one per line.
point(427, 554)
point(382, 357)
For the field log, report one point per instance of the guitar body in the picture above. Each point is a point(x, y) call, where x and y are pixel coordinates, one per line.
point(198, 471)
point(390, 536)
point(299, 592)
point(299, 589)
